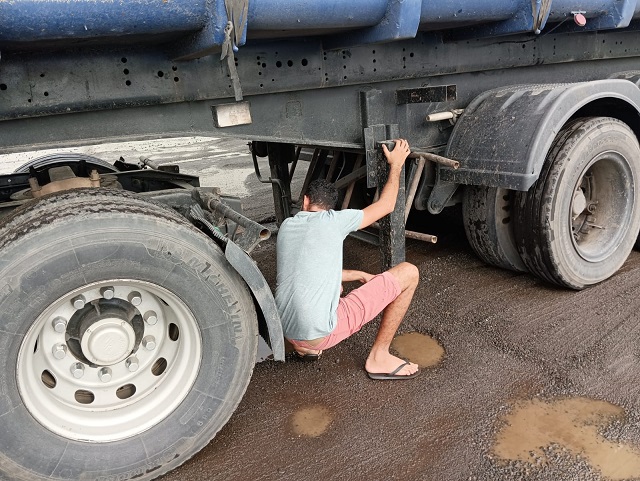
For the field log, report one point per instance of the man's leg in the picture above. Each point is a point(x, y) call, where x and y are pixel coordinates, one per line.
point(361, 306)
point(380, 360)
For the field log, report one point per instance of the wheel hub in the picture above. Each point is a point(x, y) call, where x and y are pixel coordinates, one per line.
point(579, 203)
point(128, 353)
point(599, 209)
point(108, 341)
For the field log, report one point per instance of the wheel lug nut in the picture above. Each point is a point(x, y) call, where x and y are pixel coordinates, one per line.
point(149, 343)
point(135, 298)
point(59, 351)
point(132, 364)
point(107, 292)
point(104, 374)
point(59, 324)
point(78, 302)
point(150, 317)
point(77, 369)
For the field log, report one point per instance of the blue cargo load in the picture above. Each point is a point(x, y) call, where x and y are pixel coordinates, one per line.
point(46, 23)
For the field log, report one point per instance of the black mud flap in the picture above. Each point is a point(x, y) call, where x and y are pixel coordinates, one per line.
point(247, 268)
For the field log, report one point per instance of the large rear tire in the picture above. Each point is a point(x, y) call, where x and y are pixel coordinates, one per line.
point(487, 213)
point(128, 339)
point(578, 223)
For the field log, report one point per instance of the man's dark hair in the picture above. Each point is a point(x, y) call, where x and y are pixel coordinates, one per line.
point(323, 194)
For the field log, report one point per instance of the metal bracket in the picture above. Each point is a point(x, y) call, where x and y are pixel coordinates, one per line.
point(227, 52)
point(440, 195)
point(541, 10)
point(252, 233)
point(234, 33)
point(237, 12)
point(373, 135)
point(249, 271)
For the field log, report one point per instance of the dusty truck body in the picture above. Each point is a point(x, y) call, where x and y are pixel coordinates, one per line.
point(129, 307)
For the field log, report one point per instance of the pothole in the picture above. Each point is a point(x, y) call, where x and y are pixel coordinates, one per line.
point(418, 348)
point(574, 424)
point(311, 421)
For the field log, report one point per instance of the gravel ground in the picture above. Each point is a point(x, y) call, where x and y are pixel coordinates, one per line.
point(555, 364)
point(536, 383)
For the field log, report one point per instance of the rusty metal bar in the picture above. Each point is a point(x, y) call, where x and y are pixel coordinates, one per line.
point(410, 234)
point(295, 162)
point(256, 229)
point(349, 193)
point(438, 159)
point(253, 232)
point(279, 157)
point(421, 157)
point(415, 181)
point(307, 180)
point(357, 174)
point(332, 167)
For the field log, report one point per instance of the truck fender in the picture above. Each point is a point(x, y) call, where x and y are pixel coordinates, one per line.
point(248, 270)
point(503, 136)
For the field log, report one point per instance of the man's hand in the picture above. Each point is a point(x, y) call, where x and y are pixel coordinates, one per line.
point(389, 194)
point(360, 276)
point(399, 154)
point(365, 277)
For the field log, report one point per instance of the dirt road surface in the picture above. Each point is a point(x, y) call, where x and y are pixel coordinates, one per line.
point(536, 383)
point(519, 381)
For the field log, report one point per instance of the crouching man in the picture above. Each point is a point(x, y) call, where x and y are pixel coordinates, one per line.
point(309, 276)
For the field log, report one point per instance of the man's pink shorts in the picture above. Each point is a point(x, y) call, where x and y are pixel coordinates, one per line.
point(359, 307)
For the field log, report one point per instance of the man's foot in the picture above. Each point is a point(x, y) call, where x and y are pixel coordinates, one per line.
point(393, 375)
point(387, 366)
point(307, 355)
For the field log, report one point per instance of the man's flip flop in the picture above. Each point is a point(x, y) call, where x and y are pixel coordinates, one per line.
point(309, 357)
point(393, 375)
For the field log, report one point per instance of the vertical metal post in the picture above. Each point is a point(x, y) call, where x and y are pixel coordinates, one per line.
point(391, 234)
point(392, 237)
point(280, 156)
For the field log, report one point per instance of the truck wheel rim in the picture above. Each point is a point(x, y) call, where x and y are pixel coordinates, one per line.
point(602, 206)
point(109, 360)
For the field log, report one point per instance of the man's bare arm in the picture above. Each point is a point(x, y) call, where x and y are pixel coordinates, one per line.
point(387, 200)
point(351, 275)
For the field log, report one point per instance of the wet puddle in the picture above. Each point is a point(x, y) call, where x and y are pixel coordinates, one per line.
point(423, 350)
point(311, 421)
point(574, 424)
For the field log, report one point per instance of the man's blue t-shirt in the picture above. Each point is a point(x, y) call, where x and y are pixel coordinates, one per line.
point(309, 271)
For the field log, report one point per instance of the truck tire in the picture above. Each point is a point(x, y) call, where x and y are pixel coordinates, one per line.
point(128, 340)
point(487, 214)
point(579, 221)
point(53, 160)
